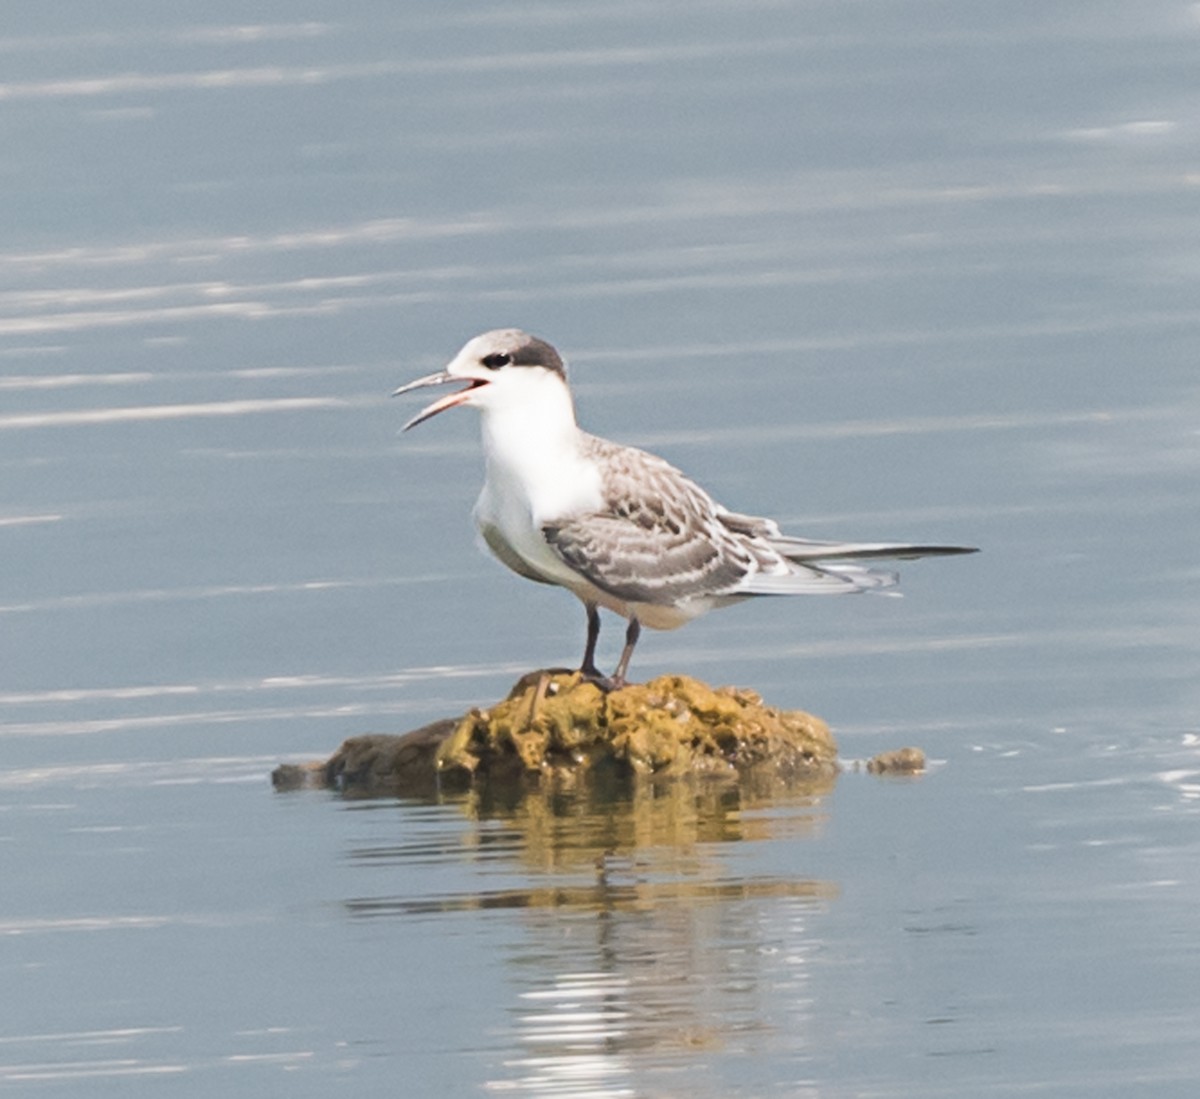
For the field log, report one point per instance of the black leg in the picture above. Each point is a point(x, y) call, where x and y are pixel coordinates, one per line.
point(631, 639)
point(588, 668)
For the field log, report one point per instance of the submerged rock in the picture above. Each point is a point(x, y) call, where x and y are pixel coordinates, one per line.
point(556, 725)
point(902, 761)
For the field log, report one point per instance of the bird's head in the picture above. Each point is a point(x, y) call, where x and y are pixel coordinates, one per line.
point(503, 368)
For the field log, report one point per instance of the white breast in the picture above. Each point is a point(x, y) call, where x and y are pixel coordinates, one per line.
point(535, 474)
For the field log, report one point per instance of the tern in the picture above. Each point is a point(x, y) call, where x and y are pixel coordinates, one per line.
point(620, 527)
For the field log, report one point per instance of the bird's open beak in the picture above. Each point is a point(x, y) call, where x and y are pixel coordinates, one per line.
point(442, 377)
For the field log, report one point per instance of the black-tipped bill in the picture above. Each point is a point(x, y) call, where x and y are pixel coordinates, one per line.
point(442, 377)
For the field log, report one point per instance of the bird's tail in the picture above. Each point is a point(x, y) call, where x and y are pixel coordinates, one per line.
point(823, 579)
point(830, 568)
point(806, 550)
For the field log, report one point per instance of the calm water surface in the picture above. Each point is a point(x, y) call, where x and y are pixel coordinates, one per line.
point(921, 271)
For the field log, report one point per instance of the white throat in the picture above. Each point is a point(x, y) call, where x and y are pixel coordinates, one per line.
point(534, 460)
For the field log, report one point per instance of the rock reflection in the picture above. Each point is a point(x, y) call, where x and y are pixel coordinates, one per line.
point(591, 829)
point(645, 955)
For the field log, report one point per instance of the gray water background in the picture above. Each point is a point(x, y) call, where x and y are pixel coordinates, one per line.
point(912, 270)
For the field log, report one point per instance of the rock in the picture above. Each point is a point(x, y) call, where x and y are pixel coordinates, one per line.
point(299, 776)
point(554, 725)
point(374, 764)
point(903, 761)
point(554, 722)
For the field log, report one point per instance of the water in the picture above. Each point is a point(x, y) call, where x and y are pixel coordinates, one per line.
point(922, 271)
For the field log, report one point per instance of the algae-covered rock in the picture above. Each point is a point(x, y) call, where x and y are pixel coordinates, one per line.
point(556, 722)
point(557, 725)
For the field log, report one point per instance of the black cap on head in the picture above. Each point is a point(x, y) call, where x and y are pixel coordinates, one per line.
point(534, 352)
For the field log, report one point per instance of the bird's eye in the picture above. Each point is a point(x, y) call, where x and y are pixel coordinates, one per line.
point(496, 360)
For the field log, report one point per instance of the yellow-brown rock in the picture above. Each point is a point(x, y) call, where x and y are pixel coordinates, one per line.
point(555, 726)
point(552, 723)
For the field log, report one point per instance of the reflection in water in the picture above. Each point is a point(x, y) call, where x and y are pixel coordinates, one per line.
point(659, 994)
point(640, 950)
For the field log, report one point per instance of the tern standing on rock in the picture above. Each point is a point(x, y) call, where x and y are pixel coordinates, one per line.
point(619, 527)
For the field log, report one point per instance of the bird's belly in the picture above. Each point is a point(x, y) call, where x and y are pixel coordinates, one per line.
point(514, 504)
point(671, 616)
point(509, 531)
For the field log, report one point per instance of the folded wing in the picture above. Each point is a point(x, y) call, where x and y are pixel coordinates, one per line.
point(662, 539)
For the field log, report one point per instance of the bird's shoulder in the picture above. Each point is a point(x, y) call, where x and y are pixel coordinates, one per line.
point(642, 486)
point(645, 489)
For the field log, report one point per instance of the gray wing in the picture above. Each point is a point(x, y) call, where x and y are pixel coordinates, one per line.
point(661, 539)
point(655, 541)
